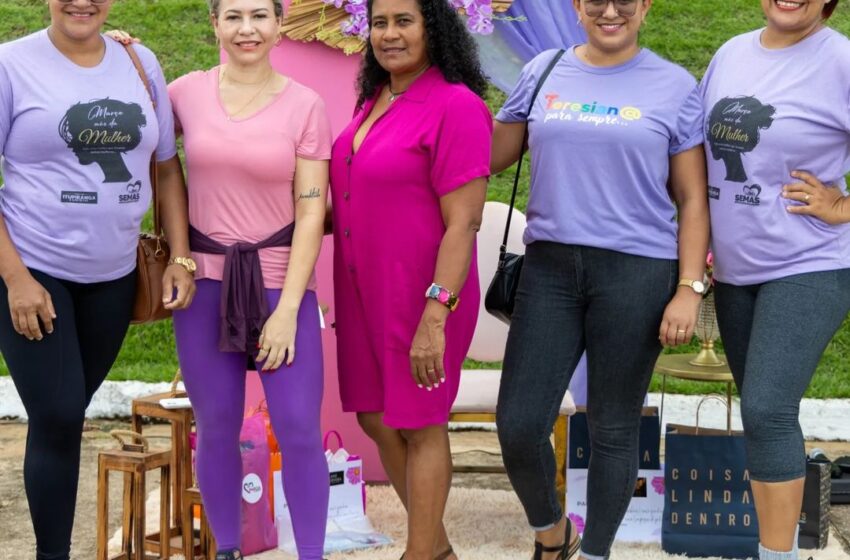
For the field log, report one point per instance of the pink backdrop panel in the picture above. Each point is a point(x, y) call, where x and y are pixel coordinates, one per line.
point(332, 75)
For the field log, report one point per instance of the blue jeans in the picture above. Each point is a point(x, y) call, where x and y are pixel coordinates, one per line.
point(571, 299)
point(774, 335)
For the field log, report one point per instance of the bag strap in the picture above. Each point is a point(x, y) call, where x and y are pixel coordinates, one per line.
point(328, 437)
point(157, 226)
point(540, 83)
point(719, 399)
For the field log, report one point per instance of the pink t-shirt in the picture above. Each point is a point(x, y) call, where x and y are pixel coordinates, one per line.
point(241, 171)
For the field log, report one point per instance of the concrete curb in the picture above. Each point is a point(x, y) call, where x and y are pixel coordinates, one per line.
point(821, 419)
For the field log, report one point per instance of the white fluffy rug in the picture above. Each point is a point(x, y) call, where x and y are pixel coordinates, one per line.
point(483, 525)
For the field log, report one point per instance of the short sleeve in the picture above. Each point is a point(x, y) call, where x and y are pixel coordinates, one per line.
point(5, 107)
point(166, 147)
point(461, 149)
point(516, 107)
point(688, 132)
point(316, 138)
point(176, 92)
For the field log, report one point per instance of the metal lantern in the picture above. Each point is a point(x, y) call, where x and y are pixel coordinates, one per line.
point(707, 332)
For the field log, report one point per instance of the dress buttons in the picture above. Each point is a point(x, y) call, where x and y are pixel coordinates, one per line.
point(346, 195)
point(348, 160)
point(347, 232)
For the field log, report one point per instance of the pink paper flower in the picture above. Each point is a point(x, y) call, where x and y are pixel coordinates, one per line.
point(578, 521)
point(658, 484)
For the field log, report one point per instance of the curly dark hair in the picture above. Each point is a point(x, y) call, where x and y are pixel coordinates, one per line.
point(450, 47)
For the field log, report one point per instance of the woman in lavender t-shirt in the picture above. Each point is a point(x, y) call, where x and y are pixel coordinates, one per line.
point(77, 130)
point(777, 106)
point(608, 267)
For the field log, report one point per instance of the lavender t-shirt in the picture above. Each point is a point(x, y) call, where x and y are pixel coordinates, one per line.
point(601, 141)
point(769, 112)
point(76, 145)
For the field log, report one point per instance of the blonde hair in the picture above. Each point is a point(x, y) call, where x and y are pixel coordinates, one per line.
point(215, 7)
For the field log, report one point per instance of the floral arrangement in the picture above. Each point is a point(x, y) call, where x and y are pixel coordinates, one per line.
point(343, 24)
point(709, 273)
point(479, 15)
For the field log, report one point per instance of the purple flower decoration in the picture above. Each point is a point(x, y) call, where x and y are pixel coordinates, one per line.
point(479, 16)
point(658, 484)
point(578, 521)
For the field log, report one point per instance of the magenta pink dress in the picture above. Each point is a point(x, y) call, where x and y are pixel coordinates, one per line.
point(388, 228)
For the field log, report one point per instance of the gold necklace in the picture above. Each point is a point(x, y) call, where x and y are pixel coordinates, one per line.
point(262, 88)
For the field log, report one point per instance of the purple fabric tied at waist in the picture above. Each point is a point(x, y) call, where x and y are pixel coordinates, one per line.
point(244, 309)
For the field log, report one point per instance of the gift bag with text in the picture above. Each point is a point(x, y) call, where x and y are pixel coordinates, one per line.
point(708, 503)
point(348, 527)
point(642, 522)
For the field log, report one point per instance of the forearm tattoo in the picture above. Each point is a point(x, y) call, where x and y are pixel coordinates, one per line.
point(315, 192)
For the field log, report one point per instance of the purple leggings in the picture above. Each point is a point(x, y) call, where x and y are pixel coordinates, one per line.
point(215, 382)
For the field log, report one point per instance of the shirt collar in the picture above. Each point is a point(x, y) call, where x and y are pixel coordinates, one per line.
point(420, 89)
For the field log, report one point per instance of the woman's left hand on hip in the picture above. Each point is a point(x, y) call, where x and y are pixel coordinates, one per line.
point(826, 203)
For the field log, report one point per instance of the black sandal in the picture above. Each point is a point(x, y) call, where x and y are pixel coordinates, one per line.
point(445, 554)
point(442, 556)
point(566, 550)
point(234, 554)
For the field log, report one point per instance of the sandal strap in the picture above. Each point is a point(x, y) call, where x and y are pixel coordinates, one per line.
point(445, 554)
point(570, 548)
point(538, 548)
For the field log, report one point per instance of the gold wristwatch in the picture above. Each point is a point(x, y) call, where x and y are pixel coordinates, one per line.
point(698, 286)
point(186, 262)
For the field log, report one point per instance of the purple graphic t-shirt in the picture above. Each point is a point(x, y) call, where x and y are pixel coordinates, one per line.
point(769, 112)
point(601, 141)
point(76, 145)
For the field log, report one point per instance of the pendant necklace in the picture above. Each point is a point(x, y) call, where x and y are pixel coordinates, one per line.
point(395, 94)
point(231, 116)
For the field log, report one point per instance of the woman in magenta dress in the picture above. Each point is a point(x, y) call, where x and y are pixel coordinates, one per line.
point(408, 180)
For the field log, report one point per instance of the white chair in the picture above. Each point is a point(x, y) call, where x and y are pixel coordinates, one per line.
point(479, 389)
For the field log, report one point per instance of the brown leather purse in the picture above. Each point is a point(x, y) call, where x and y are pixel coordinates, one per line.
point(152, 253)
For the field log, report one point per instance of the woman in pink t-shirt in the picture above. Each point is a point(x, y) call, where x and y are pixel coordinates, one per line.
point(257, 150)
point(409, 178)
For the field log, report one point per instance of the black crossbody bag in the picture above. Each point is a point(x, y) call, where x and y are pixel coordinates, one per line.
point(501, 294)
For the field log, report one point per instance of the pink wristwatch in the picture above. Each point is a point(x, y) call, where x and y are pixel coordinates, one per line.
point(444, 296)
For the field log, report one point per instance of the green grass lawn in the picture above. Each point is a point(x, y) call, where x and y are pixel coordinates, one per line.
point(685, 31)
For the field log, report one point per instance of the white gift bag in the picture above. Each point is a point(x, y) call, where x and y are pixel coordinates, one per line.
point(348, 527)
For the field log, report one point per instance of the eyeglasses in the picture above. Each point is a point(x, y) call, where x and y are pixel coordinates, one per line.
point(624, 8)
point(95, 2)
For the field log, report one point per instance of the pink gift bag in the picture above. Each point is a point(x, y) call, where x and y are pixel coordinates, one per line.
point(258, 530)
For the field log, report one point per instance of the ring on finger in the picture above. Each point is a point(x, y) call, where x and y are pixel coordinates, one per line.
point(807, 197)
point(681, 331)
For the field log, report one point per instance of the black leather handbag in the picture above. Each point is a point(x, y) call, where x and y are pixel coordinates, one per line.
point(501, 295)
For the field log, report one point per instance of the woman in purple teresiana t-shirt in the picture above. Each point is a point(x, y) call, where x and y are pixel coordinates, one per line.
point(77, 131)
point(777, 109)
point(614, 260)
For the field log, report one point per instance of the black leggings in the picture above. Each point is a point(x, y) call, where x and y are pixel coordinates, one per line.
point(56, 378)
